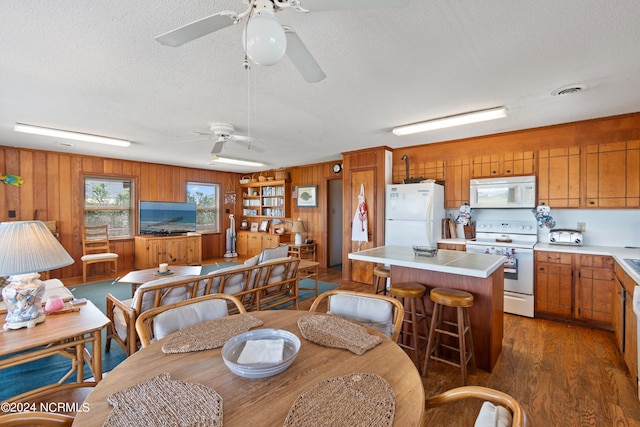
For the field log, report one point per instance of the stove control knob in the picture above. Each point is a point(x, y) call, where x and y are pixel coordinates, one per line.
point(521, 227)
point(552, 239)
point(529, 227)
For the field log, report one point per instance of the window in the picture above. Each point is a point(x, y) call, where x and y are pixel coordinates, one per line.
point(207, 200)
point(109, 201)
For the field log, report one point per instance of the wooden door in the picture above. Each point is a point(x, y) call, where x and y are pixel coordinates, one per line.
point(456, 187)
point(518, 163)
point(617, 306)
point(554, 289)
point(254, 244)
point(270, 241)
point(242, 243)
point(177, 251)
point(606, 175)
point(559, 177)
point(363, 271)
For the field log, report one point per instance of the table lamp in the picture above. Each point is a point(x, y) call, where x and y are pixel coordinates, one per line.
point(27, 247)
point(298, 228)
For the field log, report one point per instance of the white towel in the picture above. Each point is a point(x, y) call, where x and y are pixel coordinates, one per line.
point(262, 351)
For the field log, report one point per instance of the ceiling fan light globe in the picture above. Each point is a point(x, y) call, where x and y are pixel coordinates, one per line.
point(264, 39)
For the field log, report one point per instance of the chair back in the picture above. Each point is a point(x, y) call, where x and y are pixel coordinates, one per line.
point(494, 411)
point(159, 322)
point(44, 419)
point(95, 239)
point(380, 312)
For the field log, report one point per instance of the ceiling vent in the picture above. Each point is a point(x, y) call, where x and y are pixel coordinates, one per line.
point(568, 90)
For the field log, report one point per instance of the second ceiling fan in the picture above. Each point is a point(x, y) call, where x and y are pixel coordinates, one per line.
point(264, 39)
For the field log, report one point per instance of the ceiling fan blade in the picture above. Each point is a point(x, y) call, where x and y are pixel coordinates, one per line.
point(324, 5)
point(197, 29)
point(302, 58)
point(217, 147)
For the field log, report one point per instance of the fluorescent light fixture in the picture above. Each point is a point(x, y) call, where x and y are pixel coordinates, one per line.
point(57, 133)
point(233, 161)
point(445, 122)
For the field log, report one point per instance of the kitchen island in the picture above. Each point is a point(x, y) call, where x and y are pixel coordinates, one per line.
point(480, 274)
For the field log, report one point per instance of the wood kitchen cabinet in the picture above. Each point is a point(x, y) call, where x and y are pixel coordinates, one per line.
point(553, 284)
point(456, 189)
point(250, 244)
point(453, 246)
point(574, 287)
point(618, 295)
point(559, 177)
point(503, 164)
point(612, 175)
point(176, 250)
point(630, 329)
point(593, 289)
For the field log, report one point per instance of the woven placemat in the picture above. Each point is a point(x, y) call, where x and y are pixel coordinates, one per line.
point(334, 331)
point(351, 400)
point(161, 401)
point(210, 334)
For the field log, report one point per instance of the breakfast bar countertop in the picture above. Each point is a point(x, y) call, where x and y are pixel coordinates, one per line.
point(454, 262)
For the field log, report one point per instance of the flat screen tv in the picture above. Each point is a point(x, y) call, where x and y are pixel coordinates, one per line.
point(167, 217)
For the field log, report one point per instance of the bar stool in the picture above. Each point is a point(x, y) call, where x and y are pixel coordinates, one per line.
point(461, 301)
point(381, 272)
point(414, 292)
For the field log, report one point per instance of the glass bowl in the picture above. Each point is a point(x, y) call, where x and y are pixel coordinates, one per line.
point(231, 351)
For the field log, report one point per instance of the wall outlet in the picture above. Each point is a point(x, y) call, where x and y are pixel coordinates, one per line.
point(582, 227)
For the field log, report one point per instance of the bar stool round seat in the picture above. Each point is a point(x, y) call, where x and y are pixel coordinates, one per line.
point(413, 292)
point(381, 272)
point(460, 329)
point(451, 297)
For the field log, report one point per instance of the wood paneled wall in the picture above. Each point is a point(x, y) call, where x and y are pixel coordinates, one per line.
point(315, 219)
point(53, 190)
point(425, 160)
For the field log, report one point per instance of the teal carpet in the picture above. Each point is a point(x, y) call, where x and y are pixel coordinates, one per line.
point(19, 379)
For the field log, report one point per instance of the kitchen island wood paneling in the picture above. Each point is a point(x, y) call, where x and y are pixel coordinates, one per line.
point(480, 274)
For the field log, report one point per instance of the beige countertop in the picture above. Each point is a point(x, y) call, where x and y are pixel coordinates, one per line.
point(454, 262)
point(618, 253)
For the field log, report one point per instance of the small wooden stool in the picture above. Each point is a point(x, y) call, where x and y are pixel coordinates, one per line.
point(415, 292)
point(381, 272)
point(461, 301)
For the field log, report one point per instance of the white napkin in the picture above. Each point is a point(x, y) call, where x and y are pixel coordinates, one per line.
point(262, 351)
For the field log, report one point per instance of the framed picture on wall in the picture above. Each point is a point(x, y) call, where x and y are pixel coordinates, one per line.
point(307, 196)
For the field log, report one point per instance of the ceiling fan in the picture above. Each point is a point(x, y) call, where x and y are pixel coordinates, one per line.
point(264, 39)
point(225, 132)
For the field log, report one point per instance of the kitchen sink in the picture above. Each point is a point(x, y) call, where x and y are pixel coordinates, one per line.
point(633, 263)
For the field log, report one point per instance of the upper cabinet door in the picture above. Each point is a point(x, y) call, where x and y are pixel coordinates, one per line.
point(612, 175)
point(559, 177)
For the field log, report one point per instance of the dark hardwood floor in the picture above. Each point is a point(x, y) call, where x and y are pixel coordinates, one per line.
point(563, 375)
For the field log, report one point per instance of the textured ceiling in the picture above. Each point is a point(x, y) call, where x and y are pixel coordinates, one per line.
point(94, 67)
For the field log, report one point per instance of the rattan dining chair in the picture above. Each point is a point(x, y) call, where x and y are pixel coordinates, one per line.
point(494, 410)
point(96, 248)
point(381, 312)
point(44, 419)
point(161, 321)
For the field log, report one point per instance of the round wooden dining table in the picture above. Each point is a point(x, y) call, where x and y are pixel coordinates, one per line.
point(266, 401)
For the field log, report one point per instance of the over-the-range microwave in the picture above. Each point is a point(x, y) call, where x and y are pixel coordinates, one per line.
point(508, 192)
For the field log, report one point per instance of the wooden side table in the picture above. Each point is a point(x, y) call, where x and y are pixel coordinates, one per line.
point(67, 334)
point(303, 251)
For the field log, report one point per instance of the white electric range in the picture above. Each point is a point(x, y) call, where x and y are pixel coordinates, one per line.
point(515, 240)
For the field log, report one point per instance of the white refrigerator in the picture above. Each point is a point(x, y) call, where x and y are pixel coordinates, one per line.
point(413, 214)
